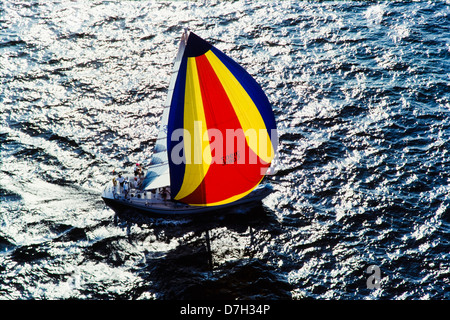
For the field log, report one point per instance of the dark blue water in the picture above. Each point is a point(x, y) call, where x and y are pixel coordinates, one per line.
point(362, 102)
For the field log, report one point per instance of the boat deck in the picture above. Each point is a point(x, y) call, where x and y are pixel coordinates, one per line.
point(141, 198)
point(145, 200)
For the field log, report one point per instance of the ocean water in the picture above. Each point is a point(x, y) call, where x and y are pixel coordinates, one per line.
point(361, 205)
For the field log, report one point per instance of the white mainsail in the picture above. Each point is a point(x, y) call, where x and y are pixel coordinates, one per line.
point(158, 171)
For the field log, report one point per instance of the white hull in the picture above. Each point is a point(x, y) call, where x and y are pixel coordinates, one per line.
point(147, 203)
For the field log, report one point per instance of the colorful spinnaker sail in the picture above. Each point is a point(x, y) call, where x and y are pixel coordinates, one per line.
point(221, 131)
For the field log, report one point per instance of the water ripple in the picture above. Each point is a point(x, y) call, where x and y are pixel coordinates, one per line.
point(360, 93)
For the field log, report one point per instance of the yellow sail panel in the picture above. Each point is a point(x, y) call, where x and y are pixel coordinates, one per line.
point(197, 150)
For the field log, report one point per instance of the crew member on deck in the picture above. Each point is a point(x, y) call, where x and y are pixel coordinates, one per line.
point(126, 187)
point(136, 183)
point(165, 194)
point(138, 170)
point(121, 181)
point(114, 181)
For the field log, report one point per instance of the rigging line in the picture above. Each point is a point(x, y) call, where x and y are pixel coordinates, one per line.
point(189, 14)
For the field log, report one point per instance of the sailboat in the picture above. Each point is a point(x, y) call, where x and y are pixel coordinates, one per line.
point(217, 139)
